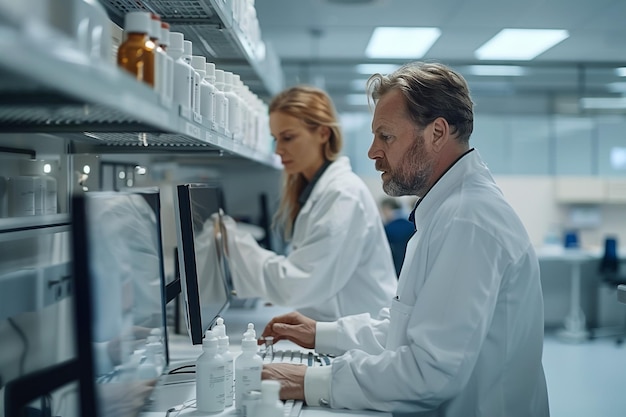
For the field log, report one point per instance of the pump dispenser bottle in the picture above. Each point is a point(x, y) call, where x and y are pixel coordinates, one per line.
point(210, 377)
point(136, 54)
point(248, 367)
point(183, 72)
point(223, 349)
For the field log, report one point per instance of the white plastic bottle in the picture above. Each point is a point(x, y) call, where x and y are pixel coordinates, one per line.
point(234, 106)
point(183, 72)
point(207, 96)
point(195, 88)
point(248, 367)
point(160, 58)
point(221, 102)
point(223, 349)
point(164, 41)
point(210, 79)
point(270, 404)
point(210, 377)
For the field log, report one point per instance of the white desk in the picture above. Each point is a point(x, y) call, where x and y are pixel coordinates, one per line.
point(574, 326)
point(174, 390)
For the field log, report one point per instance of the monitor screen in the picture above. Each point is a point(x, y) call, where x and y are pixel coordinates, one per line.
point(203, 271)
point(119, 282)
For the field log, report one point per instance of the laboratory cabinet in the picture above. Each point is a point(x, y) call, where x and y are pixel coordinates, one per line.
point(71, 122)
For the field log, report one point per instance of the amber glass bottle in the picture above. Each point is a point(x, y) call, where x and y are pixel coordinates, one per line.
point(136, 54)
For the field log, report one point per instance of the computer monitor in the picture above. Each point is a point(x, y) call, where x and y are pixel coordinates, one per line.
point(119, 298)
point(203, 271)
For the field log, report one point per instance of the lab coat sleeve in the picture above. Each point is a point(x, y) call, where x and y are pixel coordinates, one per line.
point(317, 268)
point(447, 325)
point(352, 332)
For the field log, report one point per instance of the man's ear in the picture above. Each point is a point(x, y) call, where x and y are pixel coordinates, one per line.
point(440, 132)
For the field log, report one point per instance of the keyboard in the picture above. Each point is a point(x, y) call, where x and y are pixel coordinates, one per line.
point(292, 408)
point(303, 357)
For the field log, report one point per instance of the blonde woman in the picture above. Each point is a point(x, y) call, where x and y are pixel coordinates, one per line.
point(339, 261)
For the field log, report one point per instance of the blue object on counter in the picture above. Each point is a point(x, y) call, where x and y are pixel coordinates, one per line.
point(571, 240)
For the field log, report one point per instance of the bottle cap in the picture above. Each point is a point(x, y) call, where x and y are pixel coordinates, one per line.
point(165, 34)
point(155, 26)
point(219, 76)
point(176, 41)
point(199, 64)
point(210, 341)
point(187, 48)
point(249, 339)
point(228, 79)
point(223, 341)
point(210, 72)
point(137, 22)
point(219, 329)
point(270, 390)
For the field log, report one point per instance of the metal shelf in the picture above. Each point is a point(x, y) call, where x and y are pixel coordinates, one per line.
point(209, 25)
point(47, 86)
point(12, 228)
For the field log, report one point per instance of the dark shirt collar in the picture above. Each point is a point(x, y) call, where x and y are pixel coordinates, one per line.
point(306, 192)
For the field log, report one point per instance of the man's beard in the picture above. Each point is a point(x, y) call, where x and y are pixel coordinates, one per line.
point(412, 176)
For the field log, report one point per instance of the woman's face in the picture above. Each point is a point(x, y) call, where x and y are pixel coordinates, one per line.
point(299, 148)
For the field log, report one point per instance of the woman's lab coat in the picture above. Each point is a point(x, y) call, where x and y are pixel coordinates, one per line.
point(465, 334)
point(340, 262)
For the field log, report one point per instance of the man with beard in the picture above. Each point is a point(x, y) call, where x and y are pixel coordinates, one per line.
point(464, 335)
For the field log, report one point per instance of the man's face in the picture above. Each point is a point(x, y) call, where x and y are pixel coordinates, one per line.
point(401, 152)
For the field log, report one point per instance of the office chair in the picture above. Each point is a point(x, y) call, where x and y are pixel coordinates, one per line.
point(612, 270)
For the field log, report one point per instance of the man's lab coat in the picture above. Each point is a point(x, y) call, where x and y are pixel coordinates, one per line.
point(465, 333)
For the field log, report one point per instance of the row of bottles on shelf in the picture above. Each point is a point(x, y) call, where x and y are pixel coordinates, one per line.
point(245, 19)
point(214, 97)
point(28, 195)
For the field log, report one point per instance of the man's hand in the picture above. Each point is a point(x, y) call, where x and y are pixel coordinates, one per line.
point(294, 327)
point(290, 376)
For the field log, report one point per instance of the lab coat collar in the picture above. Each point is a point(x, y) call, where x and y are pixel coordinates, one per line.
point(468, 164)
point(339, 166)
point(306, 192)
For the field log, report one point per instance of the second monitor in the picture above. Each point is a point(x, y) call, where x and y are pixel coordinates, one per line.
point(202, 266)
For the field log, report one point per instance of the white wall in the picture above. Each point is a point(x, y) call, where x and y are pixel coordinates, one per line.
point(534, 200)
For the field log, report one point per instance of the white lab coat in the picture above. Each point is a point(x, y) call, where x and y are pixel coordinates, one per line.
point(465, 334)
point(340, 262)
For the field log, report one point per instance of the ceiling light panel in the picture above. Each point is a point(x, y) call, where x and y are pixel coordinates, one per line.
point(496, 70)
point(369, 69)
point(401, 42)
point(520, 44)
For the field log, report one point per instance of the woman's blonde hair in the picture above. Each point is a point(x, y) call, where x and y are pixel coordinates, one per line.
point(315, 108)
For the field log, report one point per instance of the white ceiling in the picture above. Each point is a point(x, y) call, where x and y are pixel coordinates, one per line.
point(320, 41)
